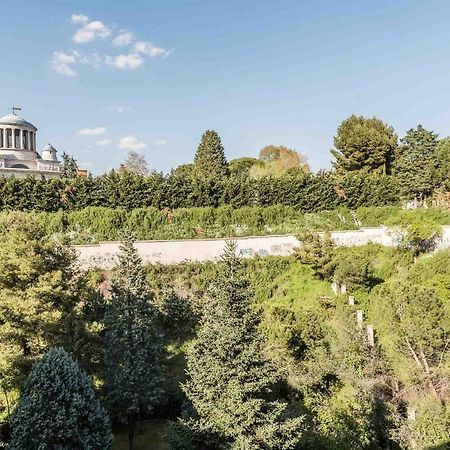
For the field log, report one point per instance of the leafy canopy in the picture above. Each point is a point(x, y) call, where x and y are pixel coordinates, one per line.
point(364, 144)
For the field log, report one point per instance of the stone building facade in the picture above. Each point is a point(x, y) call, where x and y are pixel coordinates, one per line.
point(18, 154)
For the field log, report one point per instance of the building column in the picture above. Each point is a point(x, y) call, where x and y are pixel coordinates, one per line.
point(21, 139)
point(14, 143)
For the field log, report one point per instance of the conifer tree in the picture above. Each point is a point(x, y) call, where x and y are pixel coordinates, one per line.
point(59, 409)
point(69, 167)
point(414, 162)
point(210, 161)
point(230, 382)
point(131, 344)
point(365, 144)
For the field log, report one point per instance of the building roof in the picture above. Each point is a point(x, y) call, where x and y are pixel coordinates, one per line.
point(15, 120)
point(49, 153)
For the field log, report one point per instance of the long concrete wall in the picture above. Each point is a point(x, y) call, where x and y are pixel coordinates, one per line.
point(104, 254)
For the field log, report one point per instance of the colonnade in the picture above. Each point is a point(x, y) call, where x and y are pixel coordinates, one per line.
point(17, 138)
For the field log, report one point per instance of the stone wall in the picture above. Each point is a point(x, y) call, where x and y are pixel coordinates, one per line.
point(104, 254)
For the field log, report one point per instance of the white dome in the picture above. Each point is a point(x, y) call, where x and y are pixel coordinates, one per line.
point(49, 153)
point(15, 120)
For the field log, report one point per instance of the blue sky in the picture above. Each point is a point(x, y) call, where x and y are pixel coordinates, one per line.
point(259, 72)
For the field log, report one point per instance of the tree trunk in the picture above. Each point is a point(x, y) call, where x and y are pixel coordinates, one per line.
point(8, 409)
point(130, 420)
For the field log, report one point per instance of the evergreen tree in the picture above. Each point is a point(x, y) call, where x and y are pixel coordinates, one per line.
point(230, 381)
point(59, 409)
point(442, 164)
point(42, 293)
point(131, 344)
point(69, 167)
point(210, 161)
point(414, 162)
point(364, 144)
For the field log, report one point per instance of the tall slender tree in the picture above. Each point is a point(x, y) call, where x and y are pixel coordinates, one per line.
point(209, 160)
point(230, 380)
point(59, 409)
point(132, 346)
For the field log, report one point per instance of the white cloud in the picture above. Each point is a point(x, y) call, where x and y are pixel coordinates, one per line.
point(131, 143)
point(92, 131)
point(103, 142)
point(90, 31)
point(160, 142)
point(123, 39)
point(79, 18)
point(147, 48)
point(131, 61)
point(62, 63)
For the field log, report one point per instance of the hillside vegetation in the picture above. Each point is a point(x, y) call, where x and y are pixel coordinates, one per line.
point(95, 224)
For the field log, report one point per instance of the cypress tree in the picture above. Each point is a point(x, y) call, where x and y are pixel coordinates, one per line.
point(131, 344)
point(209, 160)
point(59, 409)
point(230, 382)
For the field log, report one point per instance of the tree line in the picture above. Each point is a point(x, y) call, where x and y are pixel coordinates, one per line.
point(370, 168)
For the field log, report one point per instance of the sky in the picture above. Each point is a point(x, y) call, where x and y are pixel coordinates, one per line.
point(100, 78)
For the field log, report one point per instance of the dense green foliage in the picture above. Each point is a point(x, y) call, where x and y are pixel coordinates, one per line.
point(101, 224)
point(131, 344)
point(306, 192)
point(363, 144)
point(59, 409)
point(273, 321)
point(231, 382)
point(209, 160)
point(415, 162)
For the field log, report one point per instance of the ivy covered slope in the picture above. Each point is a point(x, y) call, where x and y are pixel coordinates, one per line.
point(95, 224)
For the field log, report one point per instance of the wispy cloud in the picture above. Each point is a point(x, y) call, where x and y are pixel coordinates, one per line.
point(62, 63)
point(147, 48)
point(92, 131)
point(130, 61)
point(79, 18)
point(131, 143)
point(123, 39)
point(161, 142)
point(89, 31)
point(103, 142)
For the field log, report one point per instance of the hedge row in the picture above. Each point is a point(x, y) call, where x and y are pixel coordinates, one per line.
point(95, 224)
point(305, 192)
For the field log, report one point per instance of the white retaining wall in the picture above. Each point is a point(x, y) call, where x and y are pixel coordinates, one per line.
point(104, 254)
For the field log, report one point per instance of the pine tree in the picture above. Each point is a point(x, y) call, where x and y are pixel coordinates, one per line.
point(414, 162)
point(364, 144)
point(230, 382)
point(131, 344)
point(210, 161)
point(59, 409)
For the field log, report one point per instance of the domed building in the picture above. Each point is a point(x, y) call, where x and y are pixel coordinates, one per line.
point(18, 154)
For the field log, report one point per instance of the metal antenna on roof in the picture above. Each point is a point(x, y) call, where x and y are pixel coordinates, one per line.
point(16, 108)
